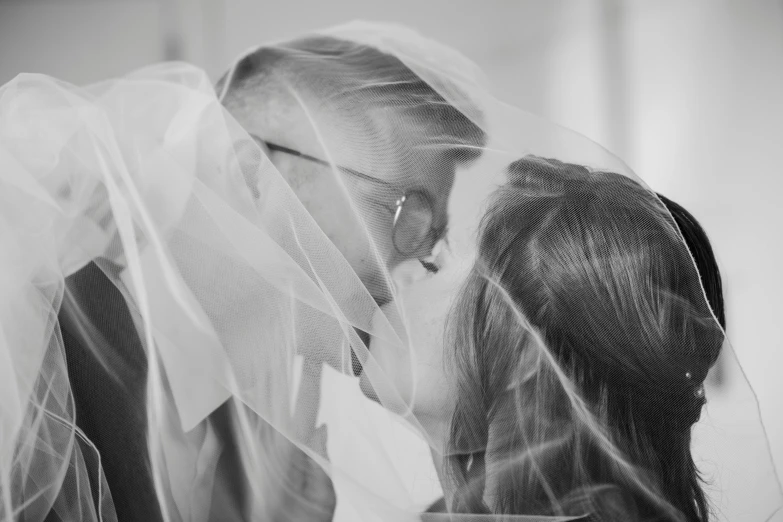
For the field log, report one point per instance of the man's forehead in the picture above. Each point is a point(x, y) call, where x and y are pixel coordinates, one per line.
point(394, 146)
point(392, 151)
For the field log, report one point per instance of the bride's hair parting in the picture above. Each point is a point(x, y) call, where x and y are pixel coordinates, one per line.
point(581, 340)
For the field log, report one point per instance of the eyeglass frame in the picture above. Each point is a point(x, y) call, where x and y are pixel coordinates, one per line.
point(433, 234)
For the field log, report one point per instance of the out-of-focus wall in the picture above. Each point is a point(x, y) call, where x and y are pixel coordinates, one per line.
point(705, 123)
point(78, 41)
point(689, 93)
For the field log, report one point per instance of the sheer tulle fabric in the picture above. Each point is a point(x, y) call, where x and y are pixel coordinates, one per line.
point(236, 293)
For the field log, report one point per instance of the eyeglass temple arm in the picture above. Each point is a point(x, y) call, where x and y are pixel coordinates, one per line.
point(293, 152)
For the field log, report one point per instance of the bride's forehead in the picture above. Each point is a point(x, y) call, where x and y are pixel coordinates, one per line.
point(473, 186)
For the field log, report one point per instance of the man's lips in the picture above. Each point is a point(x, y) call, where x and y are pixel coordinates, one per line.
point(356, 366)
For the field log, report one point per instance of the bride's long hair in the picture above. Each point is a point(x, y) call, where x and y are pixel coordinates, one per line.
point(583, 293)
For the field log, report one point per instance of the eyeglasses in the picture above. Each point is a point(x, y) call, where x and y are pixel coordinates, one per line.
point(413, 227)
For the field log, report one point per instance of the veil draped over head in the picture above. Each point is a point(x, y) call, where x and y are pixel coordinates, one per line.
point(243, 304)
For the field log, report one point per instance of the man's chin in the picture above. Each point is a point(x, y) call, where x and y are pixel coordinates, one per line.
point(356, 364)
point(358, 369)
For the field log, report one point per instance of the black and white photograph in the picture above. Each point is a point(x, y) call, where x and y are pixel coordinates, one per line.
point(391, 261)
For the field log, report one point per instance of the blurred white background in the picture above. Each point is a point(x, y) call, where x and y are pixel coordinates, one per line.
point(688, 92)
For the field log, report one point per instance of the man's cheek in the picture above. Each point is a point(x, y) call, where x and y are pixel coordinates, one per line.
point(334, 216)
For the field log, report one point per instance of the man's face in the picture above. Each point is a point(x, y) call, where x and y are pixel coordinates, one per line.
point(356, 213)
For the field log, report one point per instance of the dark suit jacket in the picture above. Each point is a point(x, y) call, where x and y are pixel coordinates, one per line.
point(111, 412)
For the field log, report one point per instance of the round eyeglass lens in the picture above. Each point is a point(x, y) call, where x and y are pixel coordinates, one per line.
point(413, 223)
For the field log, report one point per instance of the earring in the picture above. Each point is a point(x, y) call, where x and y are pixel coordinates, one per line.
point(699, 392)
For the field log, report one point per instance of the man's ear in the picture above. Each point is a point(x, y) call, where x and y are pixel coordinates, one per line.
point(220, 85)
point(239, 70)
point(252, 70)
